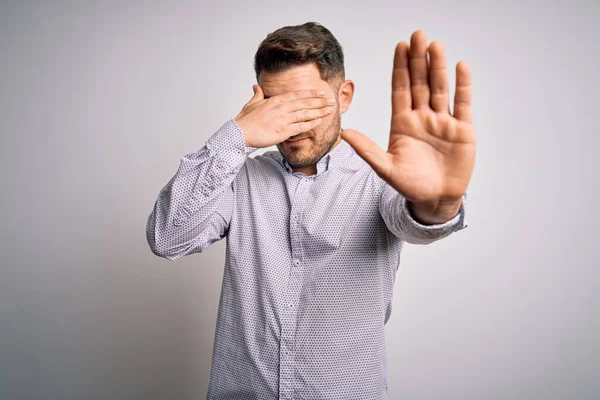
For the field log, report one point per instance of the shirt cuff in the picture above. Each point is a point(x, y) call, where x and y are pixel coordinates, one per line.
point(228, 144)
point(455, 224)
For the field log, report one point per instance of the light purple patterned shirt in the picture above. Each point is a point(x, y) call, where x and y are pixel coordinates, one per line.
point(309, 271)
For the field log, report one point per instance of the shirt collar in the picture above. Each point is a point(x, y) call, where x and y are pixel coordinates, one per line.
point(335, 156)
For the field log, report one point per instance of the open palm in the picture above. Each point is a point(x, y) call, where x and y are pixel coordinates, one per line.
point(431, 152)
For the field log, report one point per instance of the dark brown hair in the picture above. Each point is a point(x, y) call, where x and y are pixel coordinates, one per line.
point(297, 45)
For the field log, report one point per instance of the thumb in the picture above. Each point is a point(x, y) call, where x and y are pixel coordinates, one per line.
point(378, 159)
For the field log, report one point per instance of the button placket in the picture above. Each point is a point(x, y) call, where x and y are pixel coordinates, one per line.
point(291, 301)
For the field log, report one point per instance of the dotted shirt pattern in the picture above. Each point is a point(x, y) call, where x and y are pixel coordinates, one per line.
point(309, 270)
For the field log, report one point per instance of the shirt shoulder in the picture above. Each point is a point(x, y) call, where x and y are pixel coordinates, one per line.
point(271, 155)
point(265, 164)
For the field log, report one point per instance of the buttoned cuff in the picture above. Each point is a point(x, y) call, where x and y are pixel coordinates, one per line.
point(228, 144)
point(455, 224)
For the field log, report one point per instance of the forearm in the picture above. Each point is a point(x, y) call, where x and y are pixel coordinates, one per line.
point(193, 209)
point(400, 219)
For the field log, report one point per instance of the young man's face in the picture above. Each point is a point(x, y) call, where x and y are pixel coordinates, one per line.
point(322, 138)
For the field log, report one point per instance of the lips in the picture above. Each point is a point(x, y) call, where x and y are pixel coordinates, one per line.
point(297, 139)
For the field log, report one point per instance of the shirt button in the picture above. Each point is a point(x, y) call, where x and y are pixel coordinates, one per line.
point(297, 263)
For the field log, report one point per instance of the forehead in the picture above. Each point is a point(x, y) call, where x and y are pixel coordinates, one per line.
point(296, 78)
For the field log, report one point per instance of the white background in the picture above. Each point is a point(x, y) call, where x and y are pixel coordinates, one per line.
point(98, 103)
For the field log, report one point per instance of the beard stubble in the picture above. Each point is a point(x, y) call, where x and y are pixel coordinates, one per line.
point(299, 156)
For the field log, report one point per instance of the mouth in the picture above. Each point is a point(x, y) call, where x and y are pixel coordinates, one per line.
point(297, 140)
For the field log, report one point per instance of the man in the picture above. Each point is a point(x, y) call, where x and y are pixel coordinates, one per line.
point(315, 230)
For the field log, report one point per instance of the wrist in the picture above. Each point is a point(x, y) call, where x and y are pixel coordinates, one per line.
point(436, 212)
point(240, 123)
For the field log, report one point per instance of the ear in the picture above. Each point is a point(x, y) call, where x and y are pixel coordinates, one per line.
point(345, 94)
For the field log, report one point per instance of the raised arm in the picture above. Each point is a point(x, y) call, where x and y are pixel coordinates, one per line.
point(431, 152)
point(194, 208)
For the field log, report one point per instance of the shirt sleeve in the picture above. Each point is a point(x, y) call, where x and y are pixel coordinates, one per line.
point(399, 220)
point(194, 208)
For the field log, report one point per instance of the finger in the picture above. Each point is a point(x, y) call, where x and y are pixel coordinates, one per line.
point(297, 95)
point(418, 70)
point(299, 127)
point(307, 104)
point(258, 94)
point(462, 95)
point(401, 99)
point(378, 159)
point(438, 77)
point(307, 115)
